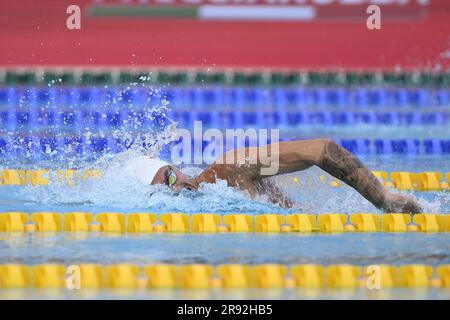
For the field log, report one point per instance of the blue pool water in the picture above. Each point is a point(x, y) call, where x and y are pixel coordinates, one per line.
point(114, 191)
point(35, 143)
point(357, 249)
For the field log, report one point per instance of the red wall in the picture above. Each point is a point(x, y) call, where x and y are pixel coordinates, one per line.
point(33, 32)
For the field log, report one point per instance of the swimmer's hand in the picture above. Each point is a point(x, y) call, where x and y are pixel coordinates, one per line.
point(400, 203)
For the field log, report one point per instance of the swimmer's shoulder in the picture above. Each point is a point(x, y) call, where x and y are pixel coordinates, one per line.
point(228, 172)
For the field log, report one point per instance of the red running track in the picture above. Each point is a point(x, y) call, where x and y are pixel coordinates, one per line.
point(33, 33)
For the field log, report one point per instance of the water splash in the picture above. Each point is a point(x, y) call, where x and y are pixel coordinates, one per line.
point(75, 139)
point(115, 189)
point(60, 129)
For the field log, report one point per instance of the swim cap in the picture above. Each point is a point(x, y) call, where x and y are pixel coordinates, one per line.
point(143, 168)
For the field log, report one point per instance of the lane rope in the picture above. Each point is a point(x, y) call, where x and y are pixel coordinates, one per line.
point(401, 180)
point(145, 222)
point(227, 276)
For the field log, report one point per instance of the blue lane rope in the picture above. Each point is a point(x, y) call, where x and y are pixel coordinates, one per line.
point(235, 97)
point(19, 119)
point(95, 145)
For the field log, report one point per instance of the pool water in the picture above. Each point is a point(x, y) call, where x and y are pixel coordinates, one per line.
point(115, 192)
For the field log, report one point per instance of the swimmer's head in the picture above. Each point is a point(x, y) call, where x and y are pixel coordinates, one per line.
point(173, 177)
point(154, 171)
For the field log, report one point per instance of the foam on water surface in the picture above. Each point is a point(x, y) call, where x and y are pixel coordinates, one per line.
point(116, 189)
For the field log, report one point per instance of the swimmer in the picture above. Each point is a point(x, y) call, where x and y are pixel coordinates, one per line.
point(292, 156)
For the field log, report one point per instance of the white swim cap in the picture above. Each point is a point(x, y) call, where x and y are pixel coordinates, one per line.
point(143, 168)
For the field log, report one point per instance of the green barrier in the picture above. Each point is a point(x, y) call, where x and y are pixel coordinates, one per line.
point(90, 78)
point(54, 78)
point(87, 79)
point(332, 79)
point(255, 79)
point(443, 80)
point(239, 79)
point(219, 78)
point(201, 78)
point(67, 78)
point(232, 77)
point(277, 79)
point(25, 78)
point(352, 78)
point(10, 78)
point(163, 78)
point(407, 79)
point(145, 77)
point(180, 78)
point(49, 78)
point(314, 78)
point(127, 78)
point(369, 79)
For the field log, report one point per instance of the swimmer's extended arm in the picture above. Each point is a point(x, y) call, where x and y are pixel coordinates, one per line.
point(299, 155)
